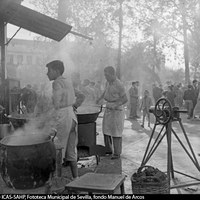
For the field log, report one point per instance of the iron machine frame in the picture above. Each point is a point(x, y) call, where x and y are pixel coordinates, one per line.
point(165, 115)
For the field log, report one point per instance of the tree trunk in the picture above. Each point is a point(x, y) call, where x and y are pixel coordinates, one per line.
point(154, 52)
point(186, 51)
point(62, 10)
point(186, 58)
point(118, 70)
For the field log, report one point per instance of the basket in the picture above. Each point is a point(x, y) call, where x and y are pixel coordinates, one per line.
point(143, 182)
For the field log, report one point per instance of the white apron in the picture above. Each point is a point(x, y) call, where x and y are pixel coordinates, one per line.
point(63, 125)
point(113, 121)
point(63, 98)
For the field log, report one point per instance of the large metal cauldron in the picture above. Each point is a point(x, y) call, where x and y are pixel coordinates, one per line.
point(88, 114)
point(27, 166)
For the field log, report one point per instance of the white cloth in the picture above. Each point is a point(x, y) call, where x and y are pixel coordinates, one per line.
point(64, 119)
point(113, 120)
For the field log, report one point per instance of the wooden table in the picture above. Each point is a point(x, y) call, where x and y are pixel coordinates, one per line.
point(97, 183)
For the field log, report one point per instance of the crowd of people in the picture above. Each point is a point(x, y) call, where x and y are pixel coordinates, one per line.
point(69, 94)
point(34, 100)
point(115, 98)
point(179, 95)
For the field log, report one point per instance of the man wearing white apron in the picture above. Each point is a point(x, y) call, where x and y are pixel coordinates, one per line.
point(113, 119)
point(66, 122)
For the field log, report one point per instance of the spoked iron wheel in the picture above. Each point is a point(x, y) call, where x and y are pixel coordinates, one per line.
point(163, 111)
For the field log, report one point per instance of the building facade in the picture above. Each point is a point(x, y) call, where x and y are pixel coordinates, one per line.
point(25, 60)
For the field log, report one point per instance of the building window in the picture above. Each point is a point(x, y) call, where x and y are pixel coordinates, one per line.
point(19, 59)
point(38, 60)
point(10, 59)
point(29, 60)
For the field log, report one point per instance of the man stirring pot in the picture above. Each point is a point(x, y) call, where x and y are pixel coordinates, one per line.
point(113, 119)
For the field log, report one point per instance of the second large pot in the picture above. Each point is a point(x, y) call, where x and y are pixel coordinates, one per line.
point(27, 166)
point(88, 114)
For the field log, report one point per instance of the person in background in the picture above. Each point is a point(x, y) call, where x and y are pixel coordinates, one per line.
point(157, 92)
point(171, 95)
point(113, 118)
point(88, 92)
point(164, 94)
point(195, 88)
point(63, 116)
point(133, 94)
point(92, 86)
point(28, 98)
point(43, 102)
point(80, 97)
point(167, 84)
point(138, 101)
point(98, 92)
point(196, 113)
point(188, 98)
point(145, 106)
point(179, 96)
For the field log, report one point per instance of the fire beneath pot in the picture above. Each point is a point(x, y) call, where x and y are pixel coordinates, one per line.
point(83, 152)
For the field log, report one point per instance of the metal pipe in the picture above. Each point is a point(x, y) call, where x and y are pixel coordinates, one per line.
point(13, 36)
point(81, 35)
point(191, 158)
point(178, 172)
point(184, 185)
point(148, 145)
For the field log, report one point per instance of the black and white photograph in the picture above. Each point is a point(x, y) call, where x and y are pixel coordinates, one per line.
point(99, 99)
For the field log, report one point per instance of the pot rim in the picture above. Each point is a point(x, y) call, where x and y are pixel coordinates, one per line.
point(48, 139)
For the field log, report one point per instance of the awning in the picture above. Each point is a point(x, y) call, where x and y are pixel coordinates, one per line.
point(33, 21)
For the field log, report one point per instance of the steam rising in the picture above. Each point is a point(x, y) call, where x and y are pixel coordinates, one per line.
point(37, 130)
point(88, 109)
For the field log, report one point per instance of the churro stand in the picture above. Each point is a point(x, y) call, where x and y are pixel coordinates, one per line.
point(22, 166)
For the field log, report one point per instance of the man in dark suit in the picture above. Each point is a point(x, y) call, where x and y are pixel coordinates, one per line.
point(195, 88)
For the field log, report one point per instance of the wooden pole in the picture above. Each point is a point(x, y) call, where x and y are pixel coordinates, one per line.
point(3, 66)
point(3, 50)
